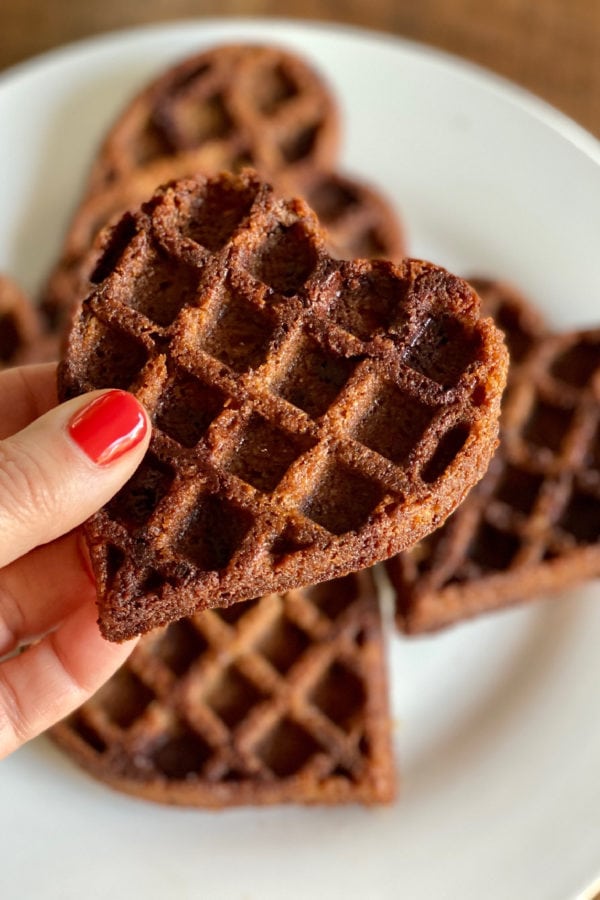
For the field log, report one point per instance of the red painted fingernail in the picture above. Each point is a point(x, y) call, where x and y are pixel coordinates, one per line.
point(109, 426)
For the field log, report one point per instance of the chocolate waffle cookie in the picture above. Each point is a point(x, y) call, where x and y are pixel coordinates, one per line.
point(20, 326)
point(281, 699)
point(311, 415)
point(359, 222)
point(254, 105)
point(532, 525)
point(519, 319)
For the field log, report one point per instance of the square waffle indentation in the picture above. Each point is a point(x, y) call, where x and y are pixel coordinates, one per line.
point(124, 698)
point(577, 364)
point(368, 243)
point(285, 259)
point(265, 452)
point(271, 87)
point(182, 755)
point(493, 550)
point(215, 214)
point(369, 303)
point(240, 337)
point(581, 518)
point(339, 694)
point(394, 424)
point(331, 199)
point(116, 358)
point(186, 409)
point(519, 489)
point(342, 500)
point(137, 500)
point(213, 533)
point(283, 644)
point(88, 734)
point(315, 378)
point(443, 350)
point(300, 144)
point(547, 425)
point(203, 121)
point(233, 696)
point(287, 748)
point(450, 445)
point(159, 293)
point(179, 646)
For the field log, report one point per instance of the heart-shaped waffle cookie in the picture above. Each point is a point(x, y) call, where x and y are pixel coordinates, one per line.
point(311, 416)
point(273, 700)
point(254, 105)
point(532, 525)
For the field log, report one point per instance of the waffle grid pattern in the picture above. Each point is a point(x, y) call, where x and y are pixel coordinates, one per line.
point(221, 111)
point(359, 222)
point(298, 430)
point(273, 700)
point(256, 106)
point(532, 524)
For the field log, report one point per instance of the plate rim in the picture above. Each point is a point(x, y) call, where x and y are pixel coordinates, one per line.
point(542, 110)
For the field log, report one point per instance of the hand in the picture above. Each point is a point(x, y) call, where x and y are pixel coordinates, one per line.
point(58, 465)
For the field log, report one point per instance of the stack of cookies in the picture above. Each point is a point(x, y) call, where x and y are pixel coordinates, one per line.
point(320, 403)
point(311, 416)
point(226, 109)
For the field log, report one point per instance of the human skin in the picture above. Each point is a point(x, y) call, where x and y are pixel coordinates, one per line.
point(58, 465)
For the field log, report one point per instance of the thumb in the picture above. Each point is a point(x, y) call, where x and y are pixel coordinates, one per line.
point(65, 466)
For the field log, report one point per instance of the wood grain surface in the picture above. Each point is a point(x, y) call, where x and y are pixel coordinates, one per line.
point(551, 47)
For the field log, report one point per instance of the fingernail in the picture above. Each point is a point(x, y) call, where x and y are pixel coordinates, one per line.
point(108, 427)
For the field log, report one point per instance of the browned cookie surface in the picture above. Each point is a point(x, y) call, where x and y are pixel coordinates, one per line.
point(519, 319)
point(281, 699)
point(69, 281)
point(359, 221)
point(255, 105)
point(532, 525)
point(311, 415)
point(218, 111)
point(20, 325)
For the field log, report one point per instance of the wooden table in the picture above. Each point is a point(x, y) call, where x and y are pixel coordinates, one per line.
point(551, 47)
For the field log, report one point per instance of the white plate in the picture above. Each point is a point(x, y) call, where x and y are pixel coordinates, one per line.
point(497, 739)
